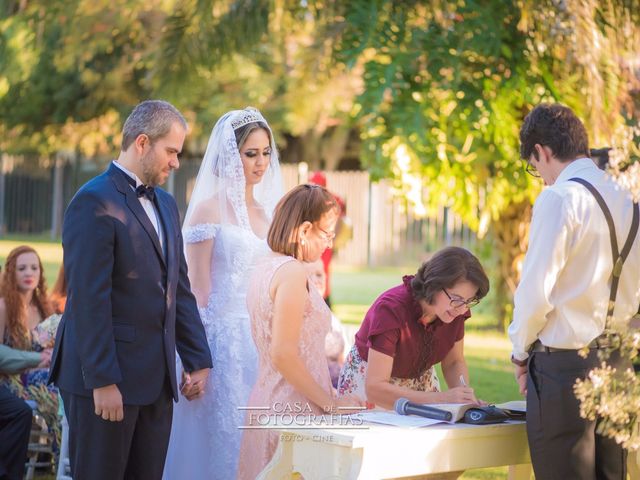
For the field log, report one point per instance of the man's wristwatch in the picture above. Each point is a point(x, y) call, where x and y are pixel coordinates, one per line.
point(520, 363)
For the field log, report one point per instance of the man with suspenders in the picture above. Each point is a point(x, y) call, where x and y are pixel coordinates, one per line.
point(580, 274)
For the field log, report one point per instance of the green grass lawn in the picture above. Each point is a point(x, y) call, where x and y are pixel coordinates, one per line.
point(353, 291)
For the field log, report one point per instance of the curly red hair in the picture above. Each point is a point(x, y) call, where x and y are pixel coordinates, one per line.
point(16, 328)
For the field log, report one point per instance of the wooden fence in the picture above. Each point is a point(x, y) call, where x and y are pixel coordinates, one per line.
point(386, 231)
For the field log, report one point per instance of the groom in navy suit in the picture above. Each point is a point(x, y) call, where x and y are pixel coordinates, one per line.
point(129, 308)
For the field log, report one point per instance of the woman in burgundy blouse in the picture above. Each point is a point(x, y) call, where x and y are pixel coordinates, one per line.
point(412, 327)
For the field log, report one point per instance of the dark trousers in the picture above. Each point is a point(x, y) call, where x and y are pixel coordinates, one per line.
point(563, 445)
point(15, 425)
point(133, 449)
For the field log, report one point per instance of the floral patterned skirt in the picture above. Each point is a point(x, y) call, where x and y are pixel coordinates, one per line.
point(354, 372)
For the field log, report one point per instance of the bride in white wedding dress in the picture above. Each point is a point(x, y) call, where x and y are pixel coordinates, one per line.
point(237, 188)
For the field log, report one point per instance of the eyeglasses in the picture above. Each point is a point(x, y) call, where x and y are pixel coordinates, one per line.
point(531, 170)
point(457, 302)
point(328, 237)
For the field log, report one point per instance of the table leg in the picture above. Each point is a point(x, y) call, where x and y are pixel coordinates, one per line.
point(520, 472)
point(281, 465)
point(316, 460)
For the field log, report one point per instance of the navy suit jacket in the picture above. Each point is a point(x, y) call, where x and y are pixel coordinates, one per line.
point(128, 307)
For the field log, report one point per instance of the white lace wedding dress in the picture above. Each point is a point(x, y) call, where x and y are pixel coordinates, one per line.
point(205, 438)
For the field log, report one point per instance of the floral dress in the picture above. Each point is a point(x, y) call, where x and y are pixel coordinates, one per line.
point(354, 373)
point(31, 385)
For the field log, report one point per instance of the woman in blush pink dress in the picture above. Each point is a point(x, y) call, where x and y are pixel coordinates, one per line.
point(289, 321)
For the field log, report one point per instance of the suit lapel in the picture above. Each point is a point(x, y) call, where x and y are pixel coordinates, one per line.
point(167, 224)
point(134, 205)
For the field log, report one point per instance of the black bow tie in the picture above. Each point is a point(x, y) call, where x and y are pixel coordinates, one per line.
point(145, 191)
point(141, 190)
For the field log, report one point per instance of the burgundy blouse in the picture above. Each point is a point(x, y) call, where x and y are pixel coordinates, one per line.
point(392, 326)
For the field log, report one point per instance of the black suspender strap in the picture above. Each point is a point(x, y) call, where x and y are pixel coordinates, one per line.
point(619, 257)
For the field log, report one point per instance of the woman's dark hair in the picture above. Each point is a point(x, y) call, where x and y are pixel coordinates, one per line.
point(243, 132)
point(446, 268)
point(557, 127)
point(443, 270)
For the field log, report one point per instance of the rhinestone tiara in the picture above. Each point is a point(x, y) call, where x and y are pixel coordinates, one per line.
point(243, 117)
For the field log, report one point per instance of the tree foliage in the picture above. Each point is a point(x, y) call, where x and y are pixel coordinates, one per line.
point(451, 82)
point(68, 69)
point(71, 69)
point(437, 90)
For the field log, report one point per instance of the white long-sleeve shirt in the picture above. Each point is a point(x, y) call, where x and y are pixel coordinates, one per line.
point(566, 278)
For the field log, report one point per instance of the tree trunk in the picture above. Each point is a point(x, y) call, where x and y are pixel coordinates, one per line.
point(334, 146)
point(511, 233)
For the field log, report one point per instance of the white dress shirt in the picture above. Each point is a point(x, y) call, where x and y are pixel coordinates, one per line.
point(566, 278)
point(147, 205)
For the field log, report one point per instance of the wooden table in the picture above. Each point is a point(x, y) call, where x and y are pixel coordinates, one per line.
point(381, 451)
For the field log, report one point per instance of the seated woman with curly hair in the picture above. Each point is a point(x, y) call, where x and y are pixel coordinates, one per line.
point(27, 323)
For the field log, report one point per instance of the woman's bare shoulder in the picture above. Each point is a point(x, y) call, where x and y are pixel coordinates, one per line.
point(292, 273)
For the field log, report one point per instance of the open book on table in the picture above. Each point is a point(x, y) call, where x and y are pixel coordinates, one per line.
point(387, 417)
point(514, 409)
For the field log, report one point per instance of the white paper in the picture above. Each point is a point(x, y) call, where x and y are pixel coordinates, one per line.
point(514, 405)
point(392, 418)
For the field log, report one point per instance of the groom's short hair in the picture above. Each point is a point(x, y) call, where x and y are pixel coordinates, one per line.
point(153, 118)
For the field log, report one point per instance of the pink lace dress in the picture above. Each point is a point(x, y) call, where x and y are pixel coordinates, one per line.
point(272, 395)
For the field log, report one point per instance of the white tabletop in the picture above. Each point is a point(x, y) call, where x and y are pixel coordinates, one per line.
point(381, 451)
